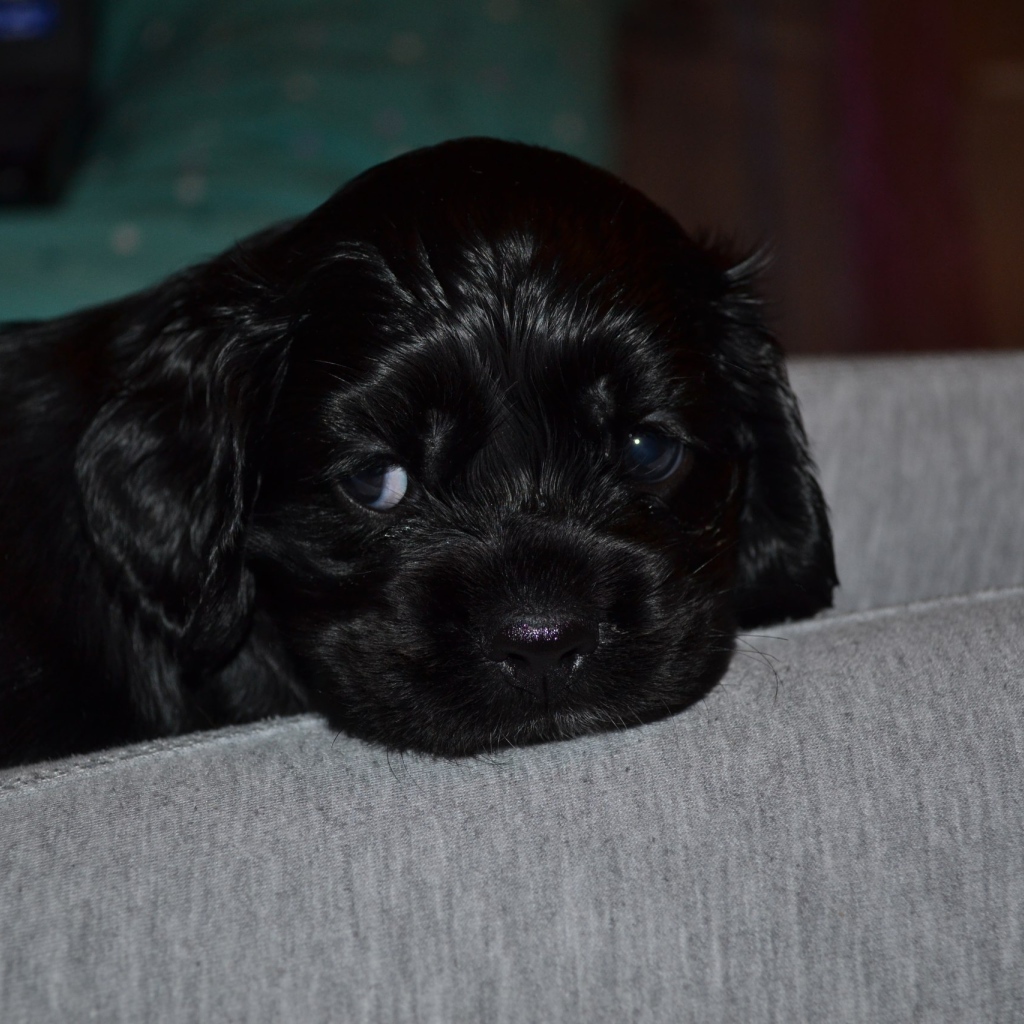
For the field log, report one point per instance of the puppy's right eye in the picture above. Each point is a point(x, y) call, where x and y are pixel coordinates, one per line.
point(379, 488)
point(655, 459)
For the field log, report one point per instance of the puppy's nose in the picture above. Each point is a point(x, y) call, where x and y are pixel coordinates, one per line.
point(543, 651)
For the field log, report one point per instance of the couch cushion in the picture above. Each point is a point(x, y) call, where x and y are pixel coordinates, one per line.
point(833, 835)
point(921, 462)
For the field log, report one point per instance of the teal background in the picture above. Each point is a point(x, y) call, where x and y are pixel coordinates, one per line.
point(221, 117)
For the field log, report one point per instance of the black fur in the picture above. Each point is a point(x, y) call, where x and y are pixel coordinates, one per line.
point(179, 542)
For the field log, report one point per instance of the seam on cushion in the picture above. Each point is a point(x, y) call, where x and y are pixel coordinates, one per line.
point(826, 621)
point(32, 775)
point(36, 775)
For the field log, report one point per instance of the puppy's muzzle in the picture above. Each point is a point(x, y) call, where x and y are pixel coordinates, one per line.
point(541, 653)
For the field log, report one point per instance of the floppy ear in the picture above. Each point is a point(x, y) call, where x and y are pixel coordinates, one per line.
point(164, 468)
point(786, 565)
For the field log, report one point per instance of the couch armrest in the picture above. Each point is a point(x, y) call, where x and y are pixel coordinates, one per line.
point(834, 834)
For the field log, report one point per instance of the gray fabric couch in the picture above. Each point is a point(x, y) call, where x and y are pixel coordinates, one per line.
point(835, 834)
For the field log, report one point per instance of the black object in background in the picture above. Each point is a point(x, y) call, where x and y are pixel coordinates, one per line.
point(46, 49)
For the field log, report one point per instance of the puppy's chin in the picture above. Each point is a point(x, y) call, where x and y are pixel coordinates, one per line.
point(434, 660)
point(403, 705)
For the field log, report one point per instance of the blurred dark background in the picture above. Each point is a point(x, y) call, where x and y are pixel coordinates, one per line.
point(877, 149)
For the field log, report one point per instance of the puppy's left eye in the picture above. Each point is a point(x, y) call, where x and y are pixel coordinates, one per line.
point(653, 458)
point(379, 488)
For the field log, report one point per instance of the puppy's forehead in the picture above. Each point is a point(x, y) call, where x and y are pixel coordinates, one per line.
point(524, 288)
point(527, 312)
point(536, 355)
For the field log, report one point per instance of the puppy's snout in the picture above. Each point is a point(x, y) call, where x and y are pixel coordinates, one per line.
point(542, 652)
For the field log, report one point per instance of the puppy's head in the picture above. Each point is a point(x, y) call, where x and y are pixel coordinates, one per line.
point(509, 456)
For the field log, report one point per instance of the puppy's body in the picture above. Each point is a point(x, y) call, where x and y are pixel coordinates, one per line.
point(484, 450)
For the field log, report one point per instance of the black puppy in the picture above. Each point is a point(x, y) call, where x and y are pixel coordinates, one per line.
point(485, 450)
